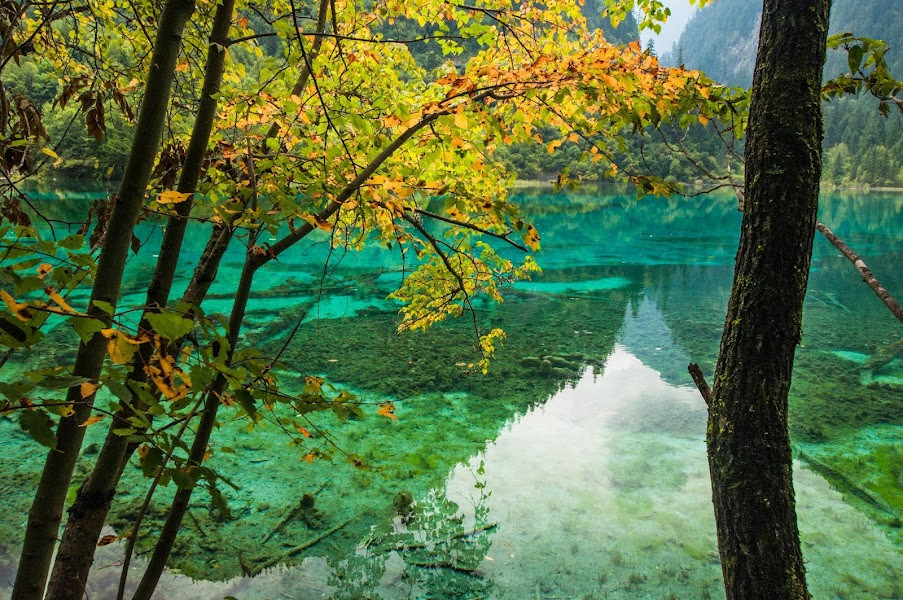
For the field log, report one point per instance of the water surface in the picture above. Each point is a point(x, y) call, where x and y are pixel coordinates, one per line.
point(577, 468)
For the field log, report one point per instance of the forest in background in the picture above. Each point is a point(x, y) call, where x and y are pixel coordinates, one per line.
point(862, 147)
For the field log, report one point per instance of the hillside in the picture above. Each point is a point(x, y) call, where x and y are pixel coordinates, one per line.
point(722, 39)
point(861, 146)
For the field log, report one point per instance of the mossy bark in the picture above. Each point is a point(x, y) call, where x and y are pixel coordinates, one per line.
point(748, 440)
point(46, 512)
point(92, 503)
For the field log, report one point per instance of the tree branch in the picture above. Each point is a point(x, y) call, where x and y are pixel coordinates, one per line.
point(867, 276)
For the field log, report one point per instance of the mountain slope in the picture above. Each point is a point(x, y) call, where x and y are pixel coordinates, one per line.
point(722, 38)
point(861, 146)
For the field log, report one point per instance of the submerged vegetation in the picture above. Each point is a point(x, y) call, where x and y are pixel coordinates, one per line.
point(307, 325)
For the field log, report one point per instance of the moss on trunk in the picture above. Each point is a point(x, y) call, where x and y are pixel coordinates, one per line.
point(748, 441)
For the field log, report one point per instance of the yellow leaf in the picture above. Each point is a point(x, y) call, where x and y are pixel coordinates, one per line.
point(703, 119)
point(319, 223)
point(88, 388)
point(50, 153)
point(120, 347)
point(302, 431)
point(172, 197)
point(60, 301)
point(43, 269)
point(92, 420)
point(387, 410)
point(20, 310)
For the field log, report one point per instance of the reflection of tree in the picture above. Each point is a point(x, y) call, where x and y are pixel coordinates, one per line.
point(441, 548)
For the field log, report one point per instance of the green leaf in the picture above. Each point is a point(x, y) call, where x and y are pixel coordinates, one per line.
point(244, 398)
point(151, 460)
point(60, 382)
point(86, 327)
point(119, 390)
point(172, 326)
point(39, 426)
point(854, 58)
point(106, 307)
point(73, 242)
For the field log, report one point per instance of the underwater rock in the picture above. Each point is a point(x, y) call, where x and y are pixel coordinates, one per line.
point(404, 504)
point(561, 366)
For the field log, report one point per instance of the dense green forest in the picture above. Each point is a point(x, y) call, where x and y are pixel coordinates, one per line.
point(861, 146)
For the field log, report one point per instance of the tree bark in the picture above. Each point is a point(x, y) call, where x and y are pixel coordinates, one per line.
point(199, 446)
point(92, 503)
point(94, 499)
point(46, 511)
point(748, 440)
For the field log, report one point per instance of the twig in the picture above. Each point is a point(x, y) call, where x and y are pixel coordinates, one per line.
point(197, 524)
point(301, 507)
point(444, 565)
point(701, 383)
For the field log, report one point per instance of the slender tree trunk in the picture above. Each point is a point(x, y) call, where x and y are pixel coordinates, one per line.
point(88, 513)
point(46, 511)
point(92, 505)
point(253, 262)
point(748, 439)
point(199, 446)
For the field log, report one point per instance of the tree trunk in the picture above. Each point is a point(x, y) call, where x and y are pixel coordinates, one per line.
point(748, 439)
point(92, 504)
point(46, 511)
point(89, 511)
point(199, 446)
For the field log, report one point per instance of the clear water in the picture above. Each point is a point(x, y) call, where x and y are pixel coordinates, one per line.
point(577, 468)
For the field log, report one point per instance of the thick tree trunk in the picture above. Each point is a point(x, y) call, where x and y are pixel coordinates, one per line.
point(46, 511)
point(748, 440)
point(89, 511)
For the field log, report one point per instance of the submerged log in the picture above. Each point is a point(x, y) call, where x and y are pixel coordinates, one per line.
point(298, 549)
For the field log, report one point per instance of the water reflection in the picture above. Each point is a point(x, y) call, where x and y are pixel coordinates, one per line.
point(595, 468)
point(603, 492)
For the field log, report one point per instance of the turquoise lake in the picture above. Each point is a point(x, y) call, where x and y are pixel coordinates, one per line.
point(575, 469)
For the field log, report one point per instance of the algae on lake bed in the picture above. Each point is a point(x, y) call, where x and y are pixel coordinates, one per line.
point(582, 452)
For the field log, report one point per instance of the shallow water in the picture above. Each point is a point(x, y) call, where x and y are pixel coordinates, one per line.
point(577, 468)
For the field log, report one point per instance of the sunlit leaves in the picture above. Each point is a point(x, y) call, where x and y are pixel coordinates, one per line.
point(287, 153)
point(172, 197)
point(121, 346)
